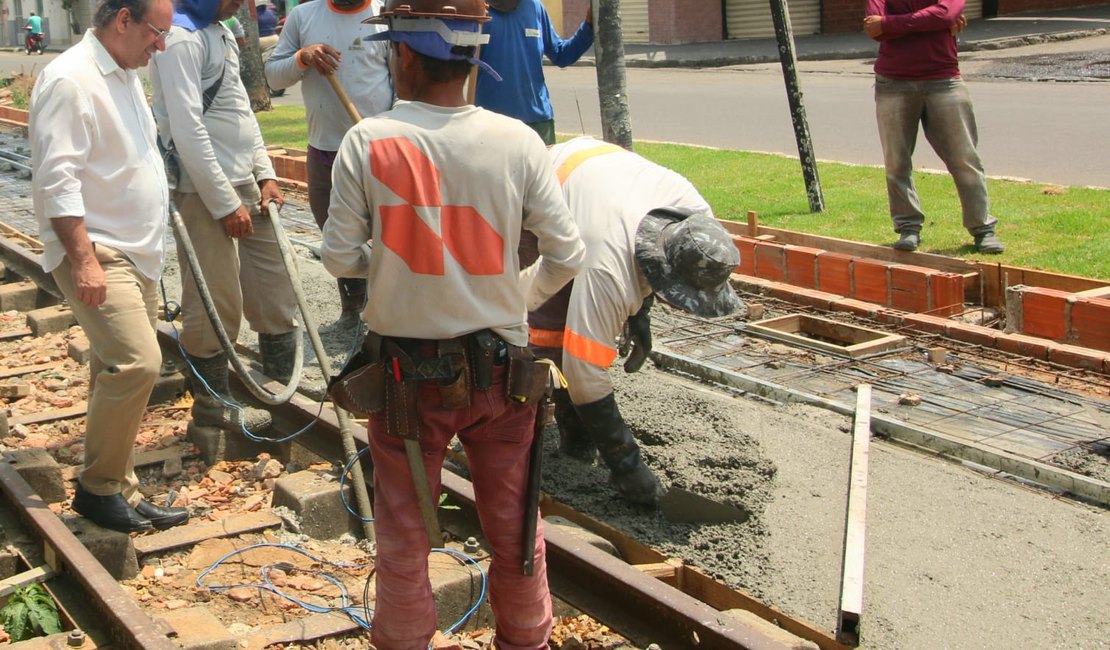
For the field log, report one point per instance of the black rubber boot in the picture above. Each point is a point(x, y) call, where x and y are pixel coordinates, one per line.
point(111, 512)
point(575, 440)
point(222, 412)
point(162, 518)
point(278, 352)
point(619, 450)
point(352, 298)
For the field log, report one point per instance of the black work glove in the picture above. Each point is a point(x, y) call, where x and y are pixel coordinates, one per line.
point(638, 335)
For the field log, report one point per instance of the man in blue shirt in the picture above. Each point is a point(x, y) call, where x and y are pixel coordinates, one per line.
point(520, 36)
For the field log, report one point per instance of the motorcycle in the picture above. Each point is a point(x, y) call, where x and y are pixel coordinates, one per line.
point(35, 43)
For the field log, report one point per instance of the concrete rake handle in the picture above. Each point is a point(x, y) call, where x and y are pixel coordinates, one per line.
point(342, 94)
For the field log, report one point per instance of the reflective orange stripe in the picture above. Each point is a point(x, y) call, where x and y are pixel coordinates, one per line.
point(580, 157)
point(588, 350)
point(546, 338)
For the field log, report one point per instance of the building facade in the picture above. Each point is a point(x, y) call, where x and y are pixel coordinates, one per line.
point(694, 21)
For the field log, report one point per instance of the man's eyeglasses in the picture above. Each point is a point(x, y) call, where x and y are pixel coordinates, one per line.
point(159, 34)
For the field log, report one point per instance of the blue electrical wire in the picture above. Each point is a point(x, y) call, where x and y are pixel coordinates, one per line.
point(343, 481)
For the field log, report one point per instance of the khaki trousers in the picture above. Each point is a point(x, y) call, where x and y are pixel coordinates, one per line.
point(125, 363)
point(229, 266)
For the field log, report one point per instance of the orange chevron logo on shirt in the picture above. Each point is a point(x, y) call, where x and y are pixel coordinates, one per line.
point(463, 232)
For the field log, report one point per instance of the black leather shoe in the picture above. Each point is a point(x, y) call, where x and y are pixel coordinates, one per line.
point(162, 518)
point(110, 512)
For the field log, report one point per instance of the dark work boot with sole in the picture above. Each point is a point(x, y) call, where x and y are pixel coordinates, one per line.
point(632, 478)
point(162, 518)
point(221, 410)
point(352, 298)
point(278, 354)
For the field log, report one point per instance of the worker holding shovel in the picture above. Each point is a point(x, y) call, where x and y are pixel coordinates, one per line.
point(648, 233)
point(322, 45)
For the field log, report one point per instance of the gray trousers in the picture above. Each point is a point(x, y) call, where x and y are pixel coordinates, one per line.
point(943, 108)
point(245, 276)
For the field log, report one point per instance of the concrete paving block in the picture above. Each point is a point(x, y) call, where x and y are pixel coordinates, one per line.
point(20, 296)
point(79, 349)
point(4, 429)
point(10, 562)
point(3, 271)
point(14, 389)
point(216, 445)
point(48, 320)
point(114, 550)
point(581, 533)
point(41, 472)
point(198, 629)
point(168, 388)
point(769, 630)
point(314, 496)
point(455, 585)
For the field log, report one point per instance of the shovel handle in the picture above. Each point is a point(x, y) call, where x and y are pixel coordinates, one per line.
point(343, 98)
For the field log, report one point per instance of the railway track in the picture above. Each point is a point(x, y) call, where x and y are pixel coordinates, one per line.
point(162, 588)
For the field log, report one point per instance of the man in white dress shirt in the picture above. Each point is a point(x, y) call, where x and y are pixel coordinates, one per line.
point(101, 200)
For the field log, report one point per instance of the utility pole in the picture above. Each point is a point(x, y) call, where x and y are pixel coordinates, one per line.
point(616, 123)
point(250, 60)
point(785, 35)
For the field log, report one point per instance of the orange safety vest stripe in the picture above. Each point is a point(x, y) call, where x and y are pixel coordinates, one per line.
point(588, 350)
point(577, 158)
point(546, 338)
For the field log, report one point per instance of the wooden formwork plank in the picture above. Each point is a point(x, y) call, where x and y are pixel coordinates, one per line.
point(196, 533)
point(850, 609)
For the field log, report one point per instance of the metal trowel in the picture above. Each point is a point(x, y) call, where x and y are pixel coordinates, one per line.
point(683, 506)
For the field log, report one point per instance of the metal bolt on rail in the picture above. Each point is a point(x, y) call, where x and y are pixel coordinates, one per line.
point(471, 546)
point(75, 639)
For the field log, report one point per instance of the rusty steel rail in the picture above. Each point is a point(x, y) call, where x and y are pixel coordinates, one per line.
point(129, 626)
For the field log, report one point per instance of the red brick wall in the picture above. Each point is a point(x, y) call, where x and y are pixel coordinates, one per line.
point(685, 21)
point(842, 15)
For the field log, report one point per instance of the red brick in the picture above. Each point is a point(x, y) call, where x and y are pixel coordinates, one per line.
point(801, 266)
point(909, 287)
point(298, 169)
point(747, 254)
point(1044, 313)
point(1029, 346)
point(871, 281)
point(857, 307)
point(976, 334)
point(770, 261)
point(834, 273)
point(926, 323)
point(1077, 357)
point(890, 316)
point(279, 165)
point(946, 294)
point(1090, 323)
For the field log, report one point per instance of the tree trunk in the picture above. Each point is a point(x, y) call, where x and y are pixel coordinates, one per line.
point(250, 61)
point(616, 123)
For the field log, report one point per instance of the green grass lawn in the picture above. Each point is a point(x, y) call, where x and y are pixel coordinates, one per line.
point(1062, 229)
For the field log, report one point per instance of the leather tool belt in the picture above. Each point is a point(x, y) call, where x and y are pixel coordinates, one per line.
point(384, 373)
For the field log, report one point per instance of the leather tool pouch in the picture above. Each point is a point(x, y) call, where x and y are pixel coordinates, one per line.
point(360, 386)
point(455, 392)
point(528, 378)
point(483, 347)
point(402, 411)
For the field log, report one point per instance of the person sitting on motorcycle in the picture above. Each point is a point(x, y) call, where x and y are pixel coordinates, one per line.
point(34, 33)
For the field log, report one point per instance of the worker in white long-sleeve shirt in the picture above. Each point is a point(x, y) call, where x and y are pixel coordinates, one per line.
point(648, 233)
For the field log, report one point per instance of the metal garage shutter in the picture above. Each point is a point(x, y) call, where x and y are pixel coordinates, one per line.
point(634, 21)
point(752, 18)
point(973, 9)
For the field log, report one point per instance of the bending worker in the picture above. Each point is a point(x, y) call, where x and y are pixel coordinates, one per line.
point(443, 189)
point(226, 181)
point(648, 233)
point(321, 39)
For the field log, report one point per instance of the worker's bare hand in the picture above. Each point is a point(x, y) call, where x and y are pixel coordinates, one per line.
point(873, 26)
point(324, 58)
point(238, 224)
point(270, 192)
point(88, 278)
point(959, 25)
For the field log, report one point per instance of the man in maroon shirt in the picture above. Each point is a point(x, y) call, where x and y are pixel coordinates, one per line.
point(917, 80)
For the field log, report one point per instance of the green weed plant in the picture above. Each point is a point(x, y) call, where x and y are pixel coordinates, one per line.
point(30, 613)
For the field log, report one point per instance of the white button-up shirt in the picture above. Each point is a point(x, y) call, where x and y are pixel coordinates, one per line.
point(93, 155)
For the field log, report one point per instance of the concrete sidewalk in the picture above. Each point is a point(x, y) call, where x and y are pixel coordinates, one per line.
point(984, 34)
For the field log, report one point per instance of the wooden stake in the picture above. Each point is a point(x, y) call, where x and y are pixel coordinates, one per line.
point(851, 578)
point(753, 224)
